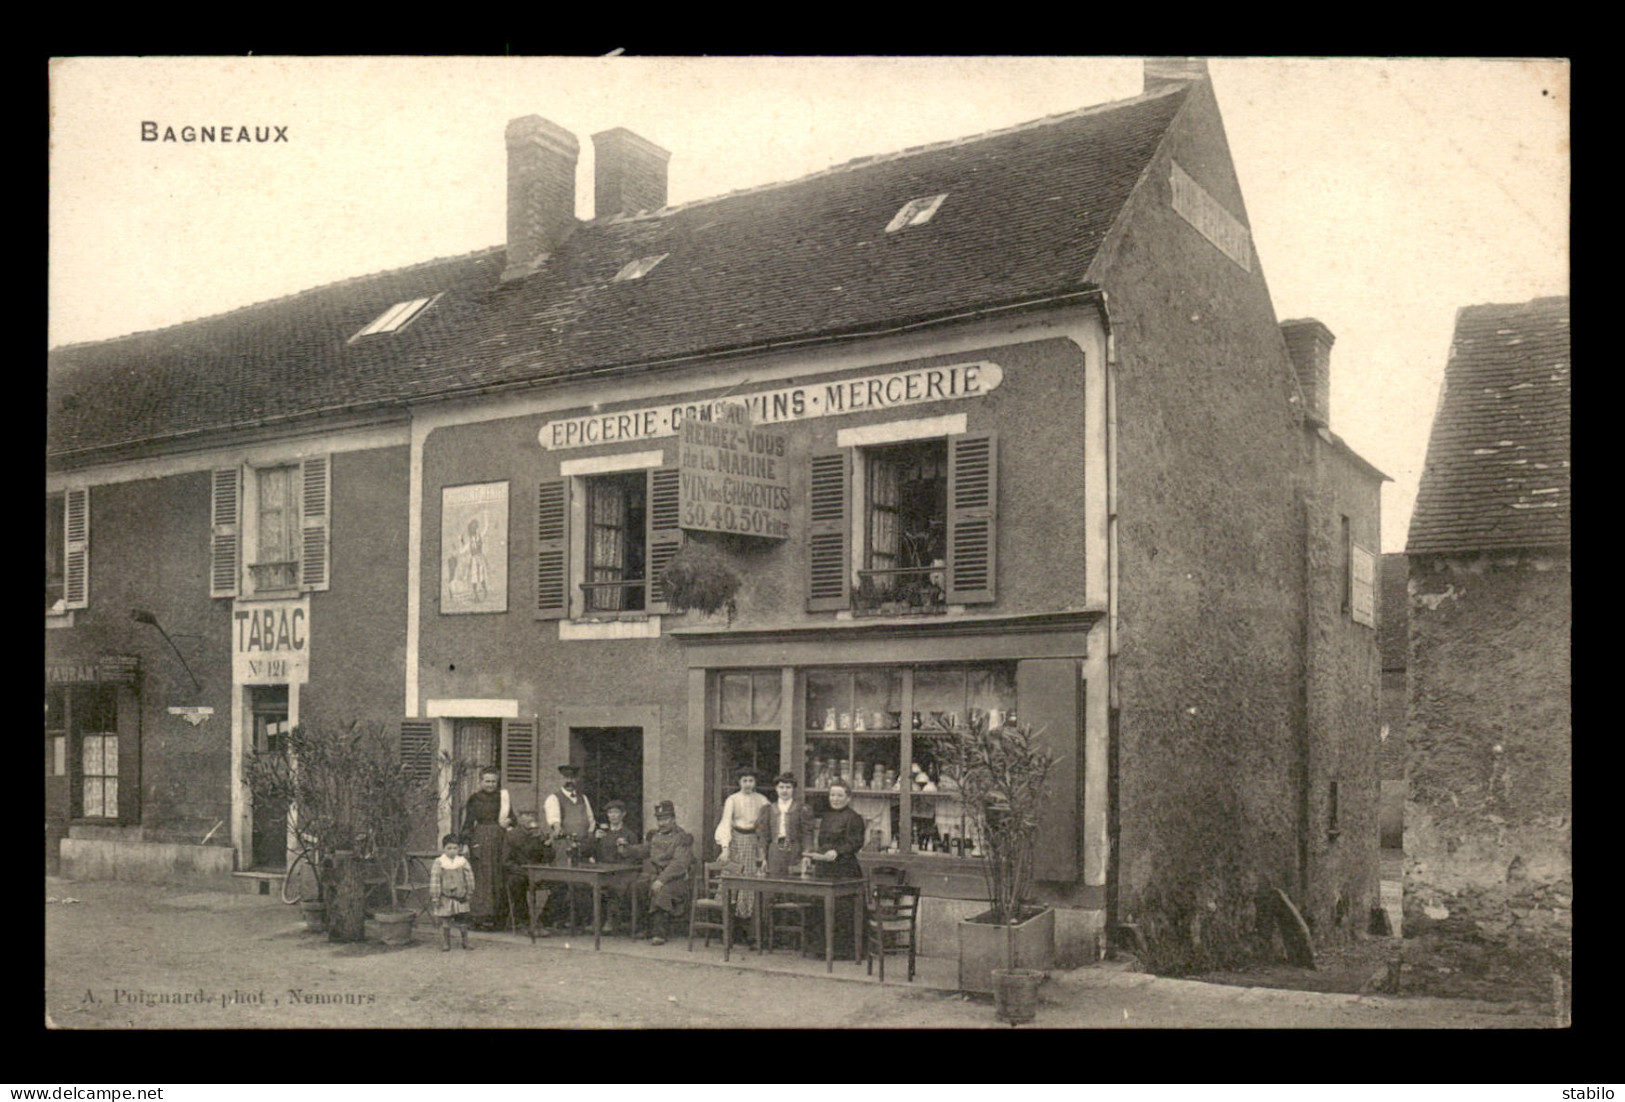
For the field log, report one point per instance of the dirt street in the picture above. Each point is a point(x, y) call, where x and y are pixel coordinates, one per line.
point(124, 955)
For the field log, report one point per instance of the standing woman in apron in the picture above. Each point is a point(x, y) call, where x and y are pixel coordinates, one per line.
point(738, 835)
point(484, 817)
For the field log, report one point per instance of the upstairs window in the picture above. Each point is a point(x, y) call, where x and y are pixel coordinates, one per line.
point(903, 528)
point(270, 529)
point(396, 317)
point(67, 551)
point(906, 530)
point(915, 212)
point(617, 511)
point(602, 541)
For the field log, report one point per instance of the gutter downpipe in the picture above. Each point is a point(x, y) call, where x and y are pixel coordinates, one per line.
point(1111, 616)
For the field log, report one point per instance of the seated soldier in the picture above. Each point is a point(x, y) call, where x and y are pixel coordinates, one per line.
point(668, 856)
point(528, 845)
point(613, 844)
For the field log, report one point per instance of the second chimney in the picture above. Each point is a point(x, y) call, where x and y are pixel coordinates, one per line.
point(1309, 343)
point(629, 173)
point(541, 191)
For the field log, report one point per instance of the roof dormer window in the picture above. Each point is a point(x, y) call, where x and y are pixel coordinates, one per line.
point(916, 212)
point(639, 268)
point(396, 317)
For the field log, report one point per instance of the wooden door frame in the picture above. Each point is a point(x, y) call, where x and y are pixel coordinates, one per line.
point(645, 717)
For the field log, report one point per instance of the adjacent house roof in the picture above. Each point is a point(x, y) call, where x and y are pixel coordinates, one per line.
point(1024, 213)
point(1497, 473)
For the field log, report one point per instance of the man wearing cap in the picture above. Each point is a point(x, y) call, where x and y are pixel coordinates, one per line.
point(668, 856)
point(570, 822)
point(737, 834)
point(613, 845)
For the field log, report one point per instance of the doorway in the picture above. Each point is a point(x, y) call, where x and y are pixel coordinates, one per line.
point(734, 750)
point(611, 761)
point(477, 744)
point(268, 709)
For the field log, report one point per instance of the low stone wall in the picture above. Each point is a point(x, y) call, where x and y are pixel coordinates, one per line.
point(156, 862)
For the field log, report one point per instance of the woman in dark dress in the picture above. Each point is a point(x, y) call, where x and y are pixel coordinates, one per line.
point(841, 833)
point(484, 817)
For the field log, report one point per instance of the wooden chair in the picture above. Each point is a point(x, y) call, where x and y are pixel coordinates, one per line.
point(706, 912)
point(788, 918)
point(890, 926)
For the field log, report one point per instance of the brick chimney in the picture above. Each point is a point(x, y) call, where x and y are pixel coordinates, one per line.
point(541, 191)
point(1309, 343)
point(1161, 72)
point(629, 173)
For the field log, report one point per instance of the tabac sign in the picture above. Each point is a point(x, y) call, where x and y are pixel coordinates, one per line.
point(733, 477)
point(795, 403)
point(270, 642)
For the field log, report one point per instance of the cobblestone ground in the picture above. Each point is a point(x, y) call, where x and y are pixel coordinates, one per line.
point(122, 956)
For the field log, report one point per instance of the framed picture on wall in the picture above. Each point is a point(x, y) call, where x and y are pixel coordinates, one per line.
point(474, 548)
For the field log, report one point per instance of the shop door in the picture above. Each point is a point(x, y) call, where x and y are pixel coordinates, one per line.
point(611, 761)
point(268, 706)
point(57, 809)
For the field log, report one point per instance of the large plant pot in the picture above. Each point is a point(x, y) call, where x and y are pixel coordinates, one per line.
point(1015, 994)
point(315, 915)
point(984, 947)
point(395, 927)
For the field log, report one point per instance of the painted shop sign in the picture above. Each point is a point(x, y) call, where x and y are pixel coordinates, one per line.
point(733, 477)
point(109, 667)
point(270, 642)
point(797, 403)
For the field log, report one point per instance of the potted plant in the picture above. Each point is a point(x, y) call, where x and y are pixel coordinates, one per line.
point(356, 807)
point(700, 577)
point(1001, 773)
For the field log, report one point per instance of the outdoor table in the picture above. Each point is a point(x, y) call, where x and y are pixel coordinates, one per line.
point(809, 887)
point(598, 876)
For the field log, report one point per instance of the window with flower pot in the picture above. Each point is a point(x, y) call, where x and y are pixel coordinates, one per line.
point(881, 728)
point(903, 527)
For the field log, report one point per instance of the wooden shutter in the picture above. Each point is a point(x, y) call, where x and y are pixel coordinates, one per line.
point(76, 548)
point(829, 531)
point(664, 538)
point(315, 559)
point(1052, 699)
point(418, 748)
point(225, 548)
point(519, 763)
point(973, 492)
point(553, 549)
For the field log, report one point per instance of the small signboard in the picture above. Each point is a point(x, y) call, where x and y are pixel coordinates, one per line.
point(192, 713)
point(733, 477)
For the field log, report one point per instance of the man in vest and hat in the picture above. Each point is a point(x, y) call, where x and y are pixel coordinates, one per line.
point(570, 823)
point(668, 856)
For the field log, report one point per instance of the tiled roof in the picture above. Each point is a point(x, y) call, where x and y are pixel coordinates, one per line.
point(1025, 212)
point(1497, 473)
point(1393, 610)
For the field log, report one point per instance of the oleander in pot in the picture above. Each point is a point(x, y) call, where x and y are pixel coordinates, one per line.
point(1002, 773)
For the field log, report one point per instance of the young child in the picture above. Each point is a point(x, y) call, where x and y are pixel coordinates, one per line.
point(451, 882)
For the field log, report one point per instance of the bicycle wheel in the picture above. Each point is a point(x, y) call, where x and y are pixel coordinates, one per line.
point(300, 884)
